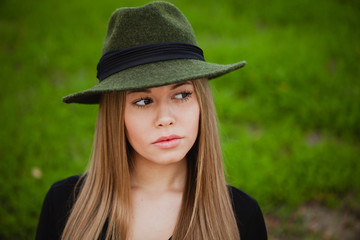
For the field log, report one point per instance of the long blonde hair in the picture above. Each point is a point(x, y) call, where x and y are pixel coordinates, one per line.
point(104, 198)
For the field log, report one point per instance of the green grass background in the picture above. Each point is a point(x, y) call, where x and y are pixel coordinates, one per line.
point(289, 121)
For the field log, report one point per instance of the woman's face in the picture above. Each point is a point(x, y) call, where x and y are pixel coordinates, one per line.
point(162, 123)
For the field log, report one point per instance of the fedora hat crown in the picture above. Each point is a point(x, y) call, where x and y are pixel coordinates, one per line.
point(155, 22)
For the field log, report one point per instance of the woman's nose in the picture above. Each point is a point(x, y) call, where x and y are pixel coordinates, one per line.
point(165, 116)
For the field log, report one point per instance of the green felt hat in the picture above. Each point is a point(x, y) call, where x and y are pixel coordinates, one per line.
point(149, 46)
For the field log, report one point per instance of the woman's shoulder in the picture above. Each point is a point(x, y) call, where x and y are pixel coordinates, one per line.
point(66, 188)
point(67, 183)
point(56, 207)
point(62, 193)
point(248, 215)
point(241, 200)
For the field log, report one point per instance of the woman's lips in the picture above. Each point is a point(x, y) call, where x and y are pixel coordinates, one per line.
point(168, 141)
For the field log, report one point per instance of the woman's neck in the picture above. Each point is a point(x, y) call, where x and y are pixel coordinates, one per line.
point(157, 178)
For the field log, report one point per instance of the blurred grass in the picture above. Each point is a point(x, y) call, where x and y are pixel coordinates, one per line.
point(289, 121)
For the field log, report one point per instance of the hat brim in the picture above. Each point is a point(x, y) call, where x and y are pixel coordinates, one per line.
point(152, 75)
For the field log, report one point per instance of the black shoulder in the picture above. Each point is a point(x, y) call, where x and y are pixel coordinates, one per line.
point(66, 190)
point(248, 215)
point(56, 207)
point(67, 183)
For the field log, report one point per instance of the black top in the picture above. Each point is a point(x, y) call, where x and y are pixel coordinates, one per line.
point(60, 198)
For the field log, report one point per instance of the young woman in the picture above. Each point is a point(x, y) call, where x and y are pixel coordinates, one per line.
point(156, 170)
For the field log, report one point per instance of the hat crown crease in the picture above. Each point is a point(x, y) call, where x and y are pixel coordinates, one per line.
point(153, 23)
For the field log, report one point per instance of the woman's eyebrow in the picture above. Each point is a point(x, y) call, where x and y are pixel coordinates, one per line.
point(180, 84)
point(147, 90)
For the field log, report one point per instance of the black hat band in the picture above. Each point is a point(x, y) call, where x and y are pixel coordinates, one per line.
point(115, 61)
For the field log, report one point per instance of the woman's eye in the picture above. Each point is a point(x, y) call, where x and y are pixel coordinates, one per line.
point(143, 102)
point(182, 95)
